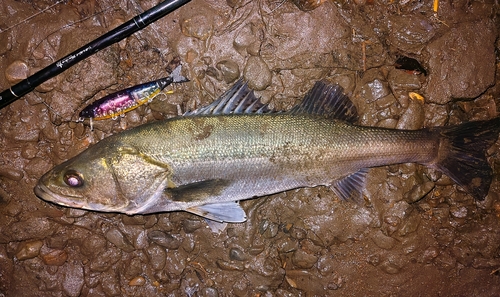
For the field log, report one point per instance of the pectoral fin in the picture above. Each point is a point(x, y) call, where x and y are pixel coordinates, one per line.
point(230, 212)
point(198, 191)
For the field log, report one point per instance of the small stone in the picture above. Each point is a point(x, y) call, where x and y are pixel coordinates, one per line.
point(11, 173)
point(383, 241)
point(29, 250)
point(458, 212)
point(389, 267)
point(302, 259)
point(54, 257)
point(12, 209)
point(166, 240)
point(414, 116)
point(198, 26)
point(137, 281)
point(445, 236)
point(237, 254)
point(93, 245)
point(75, 213)
point(286, 245)
point(73, 280)
point(37, 166)
point(209, 292)
point(308, 5)
point(157, 256)
point(105, 260)
point(16, 71)
point(29, 150)
point(268, 229)
point(429, 254)
point(244, 38)
point(110, 283)
point(257, 73)
point(229, 69)
point(117, 238)
point(231, 266)
point(190, 226)
point(418, 191)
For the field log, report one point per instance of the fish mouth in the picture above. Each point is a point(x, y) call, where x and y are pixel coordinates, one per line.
point(46, 194)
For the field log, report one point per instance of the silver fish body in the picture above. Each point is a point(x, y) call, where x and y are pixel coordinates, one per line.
point(205, 161)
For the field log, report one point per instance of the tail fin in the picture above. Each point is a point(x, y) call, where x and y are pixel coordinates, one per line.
point(462, 155)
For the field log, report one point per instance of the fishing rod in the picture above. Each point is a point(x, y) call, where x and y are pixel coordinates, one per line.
point(126, 29)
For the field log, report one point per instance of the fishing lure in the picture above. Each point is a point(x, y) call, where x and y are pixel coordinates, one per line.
point(121, 102)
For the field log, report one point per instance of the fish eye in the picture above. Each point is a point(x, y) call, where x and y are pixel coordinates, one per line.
point(73, 179)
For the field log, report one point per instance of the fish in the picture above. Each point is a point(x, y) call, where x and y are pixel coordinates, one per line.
point(117, 104)
point(238, 148)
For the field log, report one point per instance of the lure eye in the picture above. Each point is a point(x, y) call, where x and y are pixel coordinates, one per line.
point(73, 179)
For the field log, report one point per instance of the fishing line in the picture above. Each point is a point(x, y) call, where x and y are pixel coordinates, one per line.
point(67, 26)
point(126, 29)
point(32, 16)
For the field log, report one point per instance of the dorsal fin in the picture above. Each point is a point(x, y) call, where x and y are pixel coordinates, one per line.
point(327, 100)
point(239, 99)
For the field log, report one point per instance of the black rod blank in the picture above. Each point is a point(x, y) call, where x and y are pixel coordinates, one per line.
point(126, 29)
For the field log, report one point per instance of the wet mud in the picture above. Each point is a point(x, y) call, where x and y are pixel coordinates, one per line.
point(416, 233)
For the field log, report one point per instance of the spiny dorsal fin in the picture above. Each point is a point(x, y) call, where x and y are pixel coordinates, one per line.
point(239, 99)
point(328, 100)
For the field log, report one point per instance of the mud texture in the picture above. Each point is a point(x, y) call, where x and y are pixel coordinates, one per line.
point(417, 234)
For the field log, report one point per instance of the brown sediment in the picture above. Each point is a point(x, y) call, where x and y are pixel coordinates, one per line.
point(414, 225)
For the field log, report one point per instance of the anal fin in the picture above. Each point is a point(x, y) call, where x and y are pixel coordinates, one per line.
point(216, 227)
point(351, 186)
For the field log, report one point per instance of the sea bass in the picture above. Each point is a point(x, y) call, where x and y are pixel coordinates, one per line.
point(237, 148)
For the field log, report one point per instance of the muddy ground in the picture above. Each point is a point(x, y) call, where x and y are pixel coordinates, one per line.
point(416, 234)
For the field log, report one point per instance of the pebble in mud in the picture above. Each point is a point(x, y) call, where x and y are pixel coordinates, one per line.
point(197, 26)
point(257, 73)
point(117, 238)
point(237, 254)
point(105, 260)
point(137, 281)
point(308, 5)
point(110, 283)
point(54, 257)
point(16, 71)
point(383, 241)
point(29, 250)
point(230, 70)
point(157, 256)
point(37, 166)
point(246, 42)
point(93, 245)
point(73, 279)
point(166, 240)
point(11, 173)
point(302, 259)
point(29, 150)
point(268, 229)
point(418, 191)
point(35, 228)
point(410, 32)
point(414, 116)
point(190, 226)
point(389, 268)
